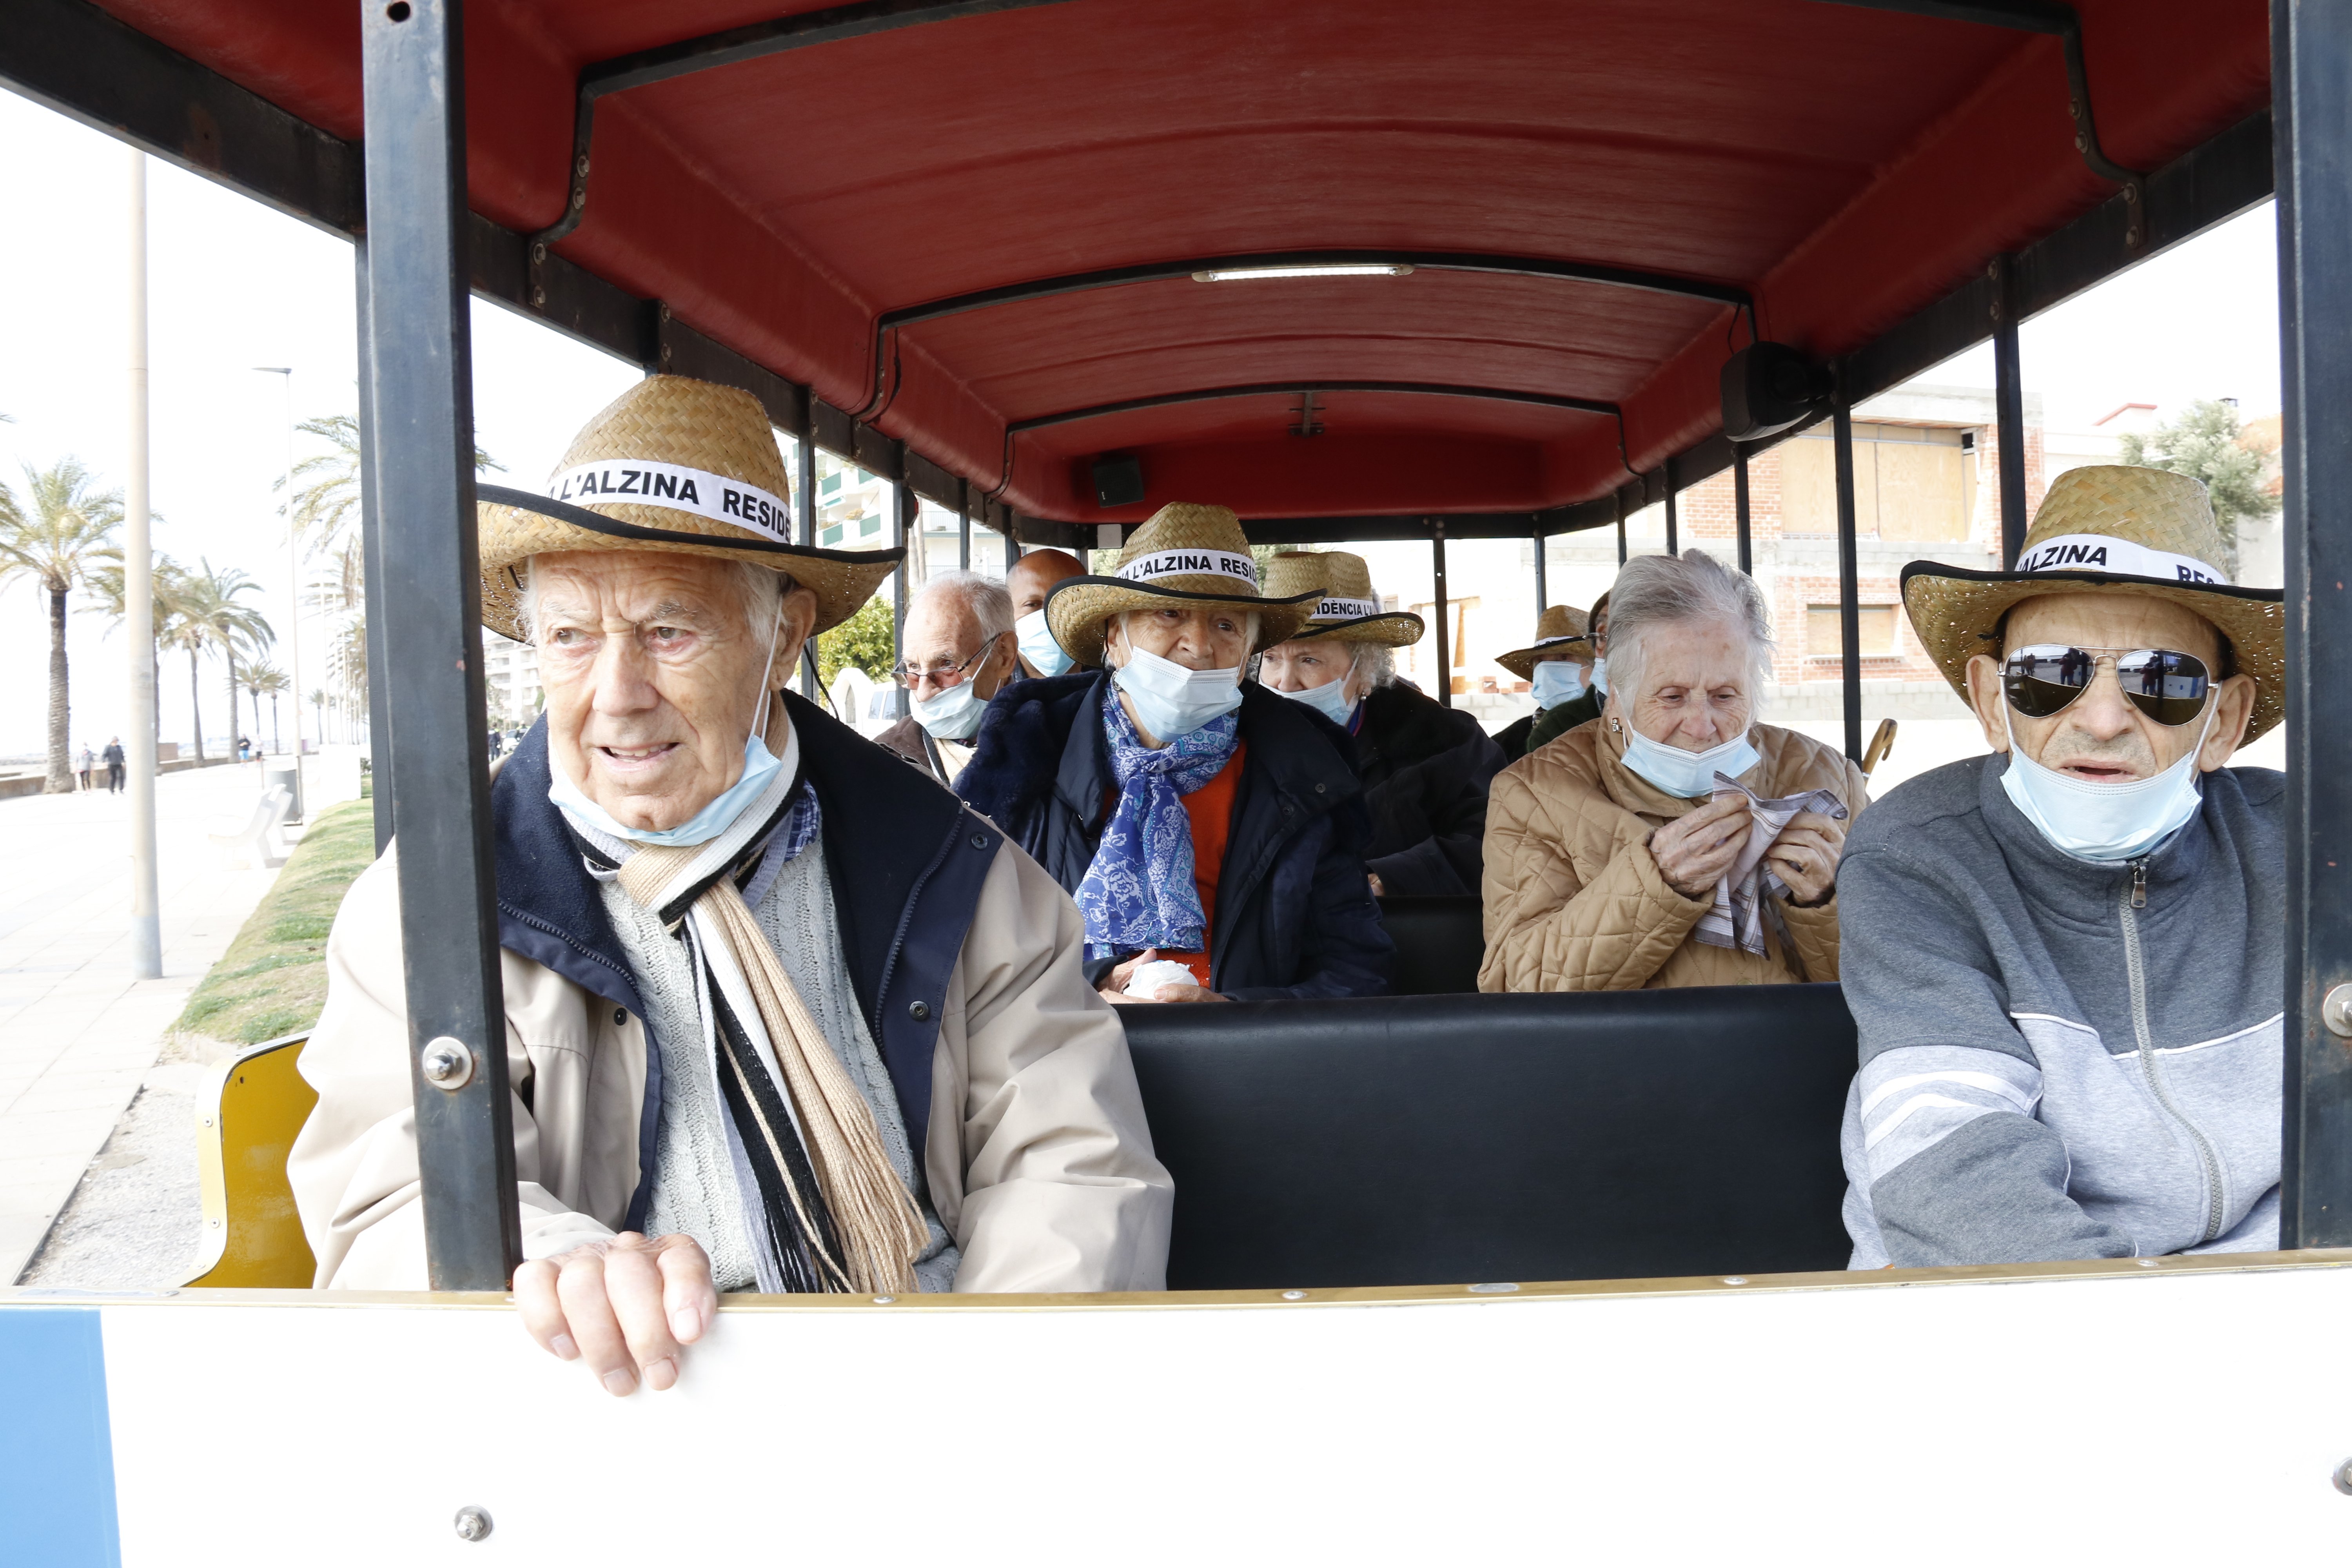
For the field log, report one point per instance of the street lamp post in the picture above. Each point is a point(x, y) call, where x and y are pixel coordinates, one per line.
point(139, 614)
point(293, 587)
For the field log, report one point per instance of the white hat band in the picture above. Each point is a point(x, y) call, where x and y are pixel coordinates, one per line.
point(1203, 563)
point(1338, 609)
point(707, 495)
point(2105, 553)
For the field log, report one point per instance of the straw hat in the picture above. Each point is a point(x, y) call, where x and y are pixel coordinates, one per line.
point(2108, 530)
point(1557, 630)
point(1349, 611)
point(705, 457)
point(1184, 553)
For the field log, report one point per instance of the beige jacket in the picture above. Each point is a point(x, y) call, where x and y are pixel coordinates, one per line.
point(1575, 901)
point(1039, 1161)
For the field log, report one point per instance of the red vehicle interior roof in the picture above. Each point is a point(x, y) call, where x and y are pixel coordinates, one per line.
point(1846, 164)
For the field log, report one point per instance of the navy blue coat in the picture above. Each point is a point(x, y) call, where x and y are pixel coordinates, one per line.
point(907, 863)
point(1295, 914)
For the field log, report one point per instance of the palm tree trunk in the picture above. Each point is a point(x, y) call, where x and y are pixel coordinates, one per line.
point(231, 741)
point(254, 692)
point(195, 713)
point(277, 739)
point(60, 780)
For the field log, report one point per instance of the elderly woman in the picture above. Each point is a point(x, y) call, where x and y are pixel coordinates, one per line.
point(1211, 832)
point(1425, 767)
point(1615, 858)
point(1561, 666)
point(781, 1013)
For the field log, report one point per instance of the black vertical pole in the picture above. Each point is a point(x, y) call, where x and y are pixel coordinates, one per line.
point(1849, 572)
point(372, 568)
point(1621, 527)
point(2009, 408)
point(420, 354)
point(804, 531)
point(1445, 644)
point(1673, 545)
point(2311, 116)
point(1739, 510)
point(1012, 545)
point(902, 516)
point(1543, 593)
point(963, 526)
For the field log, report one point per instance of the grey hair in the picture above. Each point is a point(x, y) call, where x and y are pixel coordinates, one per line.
point(759, 590)
point(1657, 591)
point(987, 601)
point(1375, 663)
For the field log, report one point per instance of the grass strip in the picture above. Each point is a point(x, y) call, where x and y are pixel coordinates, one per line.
point(272, 980)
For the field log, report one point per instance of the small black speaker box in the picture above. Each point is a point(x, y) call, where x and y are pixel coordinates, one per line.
point(1118, 480)
point(1767, 387)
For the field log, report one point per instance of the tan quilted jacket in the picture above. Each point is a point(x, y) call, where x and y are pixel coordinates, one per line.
point(1576, 903)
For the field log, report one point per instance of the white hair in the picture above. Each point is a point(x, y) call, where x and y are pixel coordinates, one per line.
point(1654, 592)
point(987, 601)
point(1375, 662)
point(1251, 620)
point(759, 591)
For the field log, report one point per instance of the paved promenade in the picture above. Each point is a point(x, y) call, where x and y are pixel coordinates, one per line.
point(77, 1033)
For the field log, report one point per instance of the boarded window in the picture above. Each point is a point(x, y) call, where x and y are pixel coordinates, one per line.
point(1822, 632)
point(1910, 483)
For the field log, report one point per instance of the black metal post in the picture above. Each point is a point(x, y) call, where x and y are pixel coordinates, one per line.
point(1445, 644)
point(1673, 545)
point(902, 517)
point(1849, 572)
point(1012, 545)
point(2009, 408)
point(1543, 596)
point(2310, 86)
point(1621, 527)
point(963, 527)
point(372, 567)
point(1739, 510)
point(805, 530)
point(420, 355)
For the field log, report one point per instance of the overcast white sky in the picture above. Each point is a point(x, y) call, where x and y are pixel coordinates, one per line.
point(234, 285)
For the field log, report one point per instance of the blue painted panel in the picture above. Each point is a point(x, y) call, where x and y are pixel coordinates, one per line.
point(56, 1457)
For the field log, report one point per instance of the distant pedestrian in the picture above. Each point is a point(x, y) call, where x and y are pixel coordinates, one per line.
point(498, 744)
point(244, 750)
point(113, 758)
point(89, 762)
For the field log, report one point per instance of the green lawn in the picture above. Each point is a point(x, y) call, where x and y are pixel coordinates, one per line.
point(272, 980)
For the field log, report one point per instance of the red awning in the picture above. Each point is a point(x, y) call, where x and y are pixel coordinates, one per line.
point(1844, 165)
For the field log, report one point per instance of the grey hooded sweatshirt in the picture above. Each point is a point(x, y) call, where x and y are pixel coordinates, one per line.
point(2062, 1059)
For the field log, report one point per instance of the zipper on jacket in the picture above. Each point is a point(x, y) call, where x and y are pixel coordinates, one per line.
point(2136, 897)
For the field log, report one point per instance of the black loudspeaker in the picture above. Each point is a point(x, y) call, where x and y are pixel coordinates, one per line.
point(1118, 480)
point(1767, 387)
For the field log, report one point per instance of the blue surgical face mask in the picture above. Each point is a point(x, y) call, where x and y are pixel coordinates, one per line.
point(1559, 680)
point(2104, 823)
point(1601, 674)
point(1037, 644)
point(952, 715)
point(1688, 775)
point(1330, 700)
point(760, 766)
point(1172, 700)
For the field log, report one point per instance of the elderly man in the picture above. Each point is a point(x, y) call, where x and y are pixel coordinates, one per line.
point(1033, 577)
point(959, 654)
point(1560, 666)
point(2064, 959)
point(780, 1014)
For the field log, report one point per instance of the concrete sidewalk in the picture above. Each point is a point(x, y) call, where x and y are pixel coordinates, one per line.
point(77, 1033)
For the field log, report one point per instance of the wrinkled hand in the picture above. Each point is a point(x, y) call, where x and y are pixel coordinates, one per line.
point(624, 1305)
point(1806, 853)
point(1694, 851)
point(1114, 989)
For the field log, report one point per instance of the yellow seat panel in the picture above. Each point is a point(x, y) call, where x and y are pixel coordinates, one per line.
point(245, 1124)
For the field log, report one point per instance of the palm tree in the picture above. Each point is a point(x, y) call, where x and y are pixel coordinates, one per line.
point(267, 681)
point(57, 533)
point(110, 592)
point(208, 616)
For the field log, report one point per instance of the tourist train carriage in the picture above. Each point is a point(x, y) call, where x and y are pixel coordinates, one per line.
point(990, 249)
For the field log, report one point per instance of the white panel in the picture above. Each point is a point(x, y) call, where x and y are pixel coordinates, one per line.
point(2161, 1419)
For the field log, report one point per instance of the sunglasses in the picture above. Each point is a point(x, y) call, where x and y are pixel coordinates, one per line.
point(2168, 687)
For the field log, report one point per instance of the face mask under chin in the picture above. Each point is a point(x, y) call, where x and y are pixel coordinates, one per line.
point(2104, 824)
point(1170, 699)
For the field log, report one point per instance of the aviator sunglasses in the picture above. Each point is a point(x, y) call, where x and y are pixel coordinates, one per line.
point(2167, 687)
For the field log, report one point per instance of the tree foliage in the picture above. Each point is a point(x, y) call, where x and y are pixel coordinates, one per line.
point(60, 531)
point(2205, 443)
point(864, 641)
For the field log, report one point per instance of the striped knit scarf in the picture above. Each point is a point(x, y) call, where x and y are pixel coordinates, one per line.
point(831, 1212)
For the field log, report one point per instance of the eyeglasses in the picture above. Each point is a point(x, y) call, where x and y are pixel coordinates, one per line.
point(2168, 687)
point(940, 673)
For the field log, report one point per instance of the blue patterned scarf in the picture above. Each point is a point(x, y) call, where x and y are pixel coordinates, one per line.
point(1139, 892)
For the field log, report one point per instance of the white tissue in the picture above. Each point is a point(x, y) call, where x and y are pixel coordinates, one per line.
point(1149, 977)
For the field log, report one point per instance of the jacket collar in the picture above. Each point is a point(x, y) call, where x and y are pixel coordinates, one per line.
point(1640, 796)
point(549, 908)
